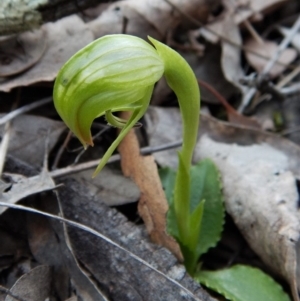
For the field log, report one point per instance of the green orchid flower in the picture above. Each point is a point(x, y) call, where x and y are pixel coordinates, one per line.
point(118, 73)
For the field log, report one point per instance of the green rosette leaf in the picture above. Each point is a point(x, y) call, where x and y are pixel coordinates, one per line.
point(242, 283)
point(206, 215)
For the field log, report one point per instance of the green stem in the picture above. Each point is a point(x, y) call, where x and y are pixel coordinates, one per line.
point(183, 82)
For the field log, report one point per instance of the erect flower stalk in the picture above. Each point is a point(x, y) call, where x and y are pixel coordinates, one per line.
point(118, 73)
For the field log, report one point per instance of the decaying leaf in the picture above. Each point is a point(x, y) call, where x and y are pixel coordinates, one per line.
point(64, 38)
point(268, 49)
point(20, 52)
point(153, 205)
point(28, 135)
point(259, 172)
point(33, 286)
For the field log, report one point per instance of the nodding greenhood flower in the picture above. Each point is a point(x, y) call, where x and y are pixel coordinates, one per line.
point(118, 73)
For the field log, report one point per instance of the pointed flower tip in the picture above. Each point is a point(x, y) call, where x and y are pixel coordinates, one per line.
point(86, 142)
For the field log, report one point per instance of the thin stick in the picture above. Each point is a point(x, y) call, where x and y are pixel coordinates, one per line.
point(220, 98)
point(61, 150)
point(288, 78)
point(292, 89)
point(114, 158)
point(283, 45)
point(253, 32)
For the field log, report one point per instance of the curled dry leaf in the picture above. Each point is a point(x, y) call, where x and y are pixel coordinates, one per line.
point(20, 52)
point(260, 173)
point(268, 49)
point(153, 205)
point(64, 38)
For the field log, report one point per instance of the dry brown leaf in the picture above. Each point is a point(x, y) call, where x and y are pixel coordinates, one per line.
point(64, 38)
point(20, 52)
point(153, 205)
point(268, 49)
point(149, 17)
